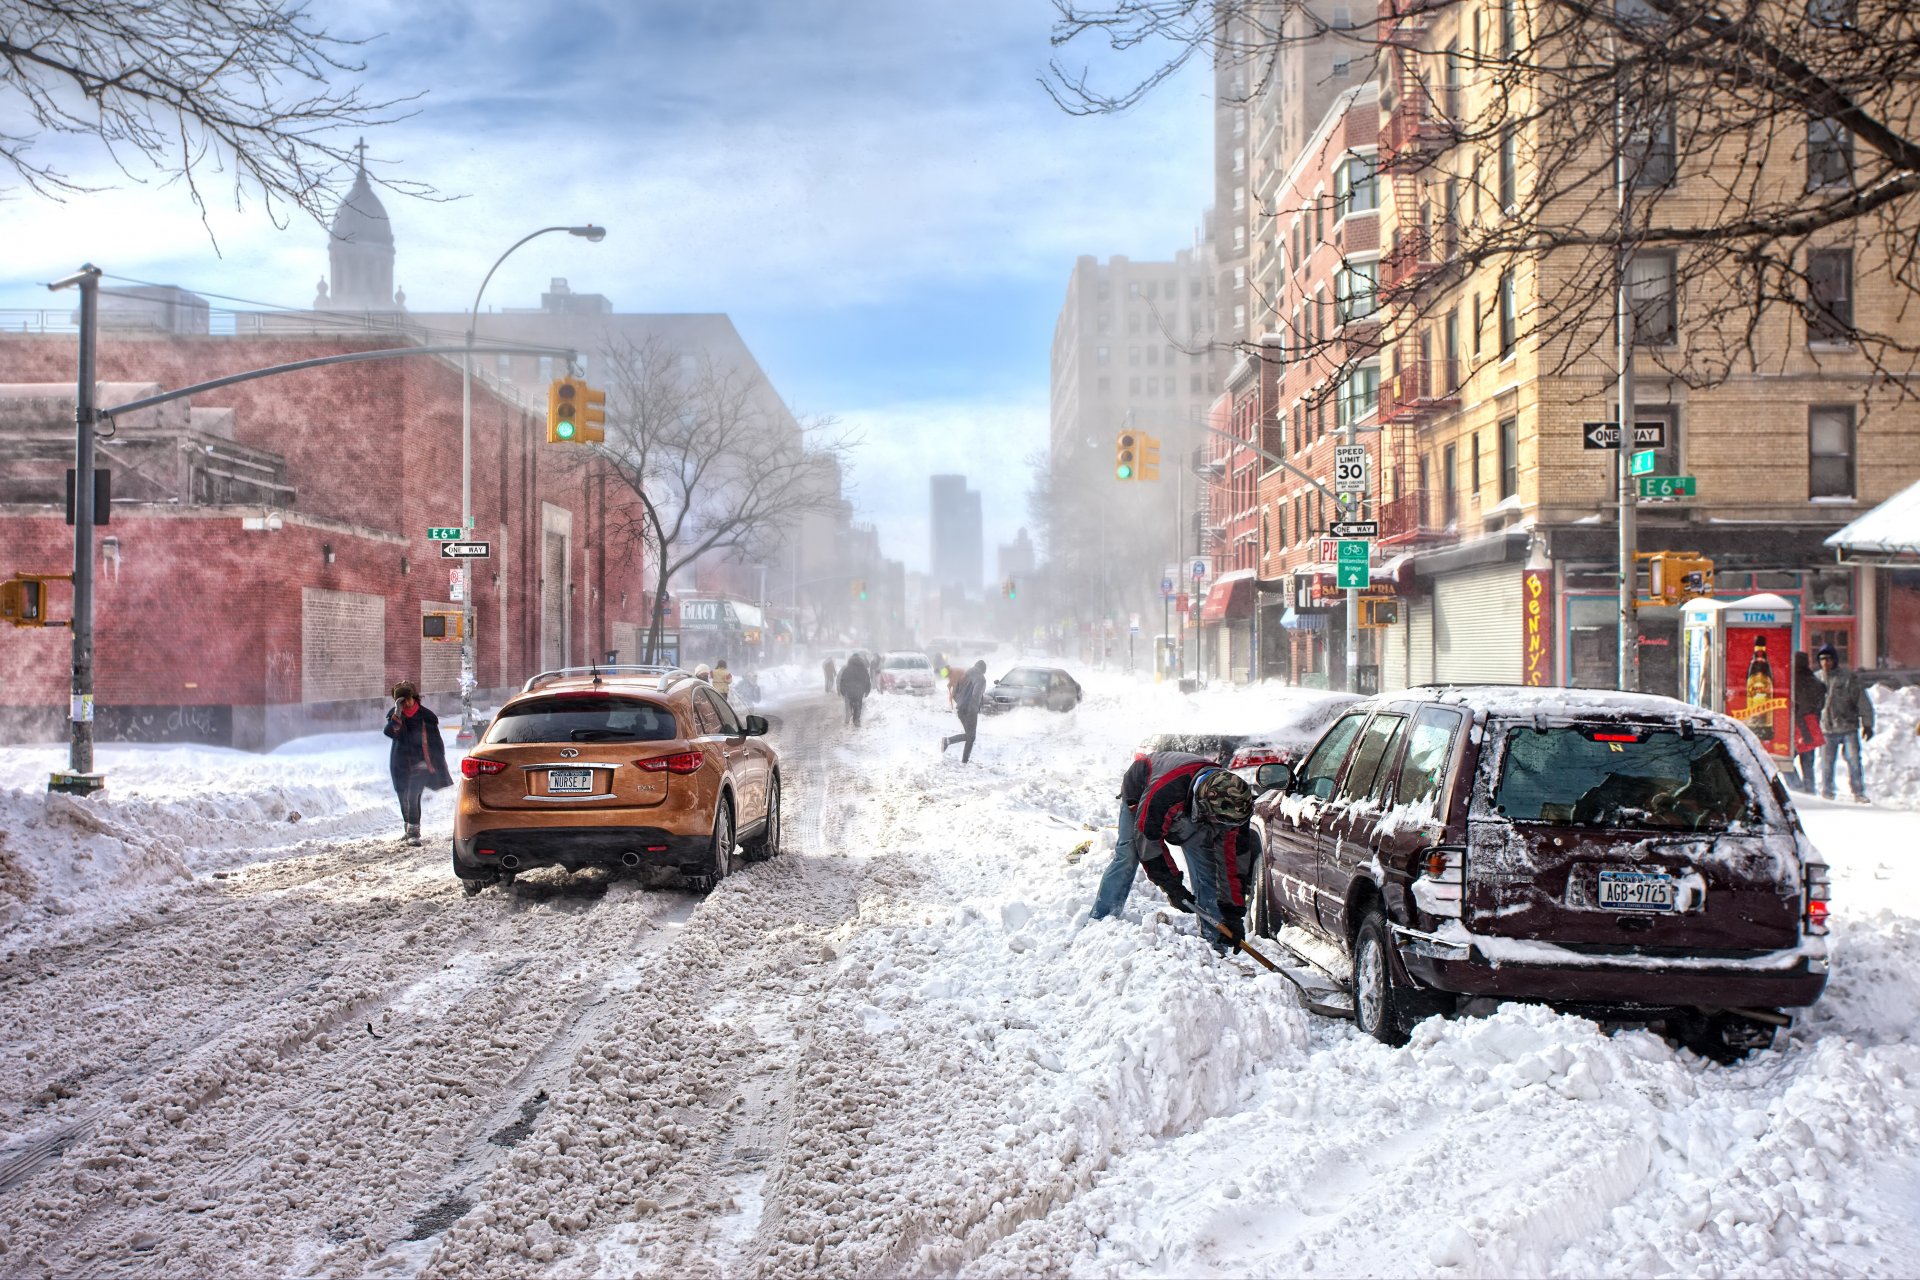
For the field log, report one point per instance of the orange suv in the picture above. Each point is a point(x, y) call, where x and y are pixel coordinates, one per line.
point(616, 766)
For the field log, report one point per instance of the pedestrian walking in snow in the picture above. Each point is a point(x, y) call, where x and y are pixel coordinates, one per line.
point(1809, 696)
point(826, 669)
point(1846, 719)
point(703, 672)
point(721, 678)
point(1180, 798)
point(968, 696)
point(855, 684)
point(417, 760)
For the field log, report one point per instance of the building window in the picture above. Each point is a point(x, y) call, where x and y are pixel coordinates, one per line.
point(1509, 170)
point(1473, 462)
point(1356, 291)
point(1106, 384)
point(503, 365)
point(1239, 199)
point(1477, 317)
point(1509, 315)
point(1650, 291)
point(1829, 295)
point(1239, 159)
point(1239, 238)
point(1133, 355)
point(1830, 451)
point(1133, 288)
point(1153, 355)
point(1509, 28)
point(1319, 217)
point(1103, 355)
point(1103, 322)
point(1509, 457)
point(1169, 385)
point(1239, 320)
point(1133, 322)
point(1829, 154)
point(1359, 394)
point(1356, 187)
point(1650, 149)
point(1133, 386)
point(1449, 379)
point(1423, 473)
point(1449, 491)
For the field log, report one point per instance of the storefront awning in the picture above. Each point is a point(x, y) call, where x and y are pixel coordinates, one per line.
point(1294, 620)
point(1229, 599)
point(1888, 534)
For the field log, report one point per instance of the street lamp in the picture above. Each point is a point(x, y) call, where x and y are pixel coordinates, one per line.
point(593, 235)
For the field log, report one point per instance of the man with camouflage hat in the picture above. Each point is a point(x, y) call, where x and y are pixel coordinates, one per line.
point(1180, 798)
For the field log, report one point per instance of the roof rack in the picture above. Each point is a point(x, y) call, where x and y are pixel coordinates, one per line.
point(666, 675)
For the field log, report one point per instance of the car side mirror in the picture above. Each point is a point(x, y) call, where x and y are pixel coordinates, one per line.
point(755, 726)
point(1274, 777)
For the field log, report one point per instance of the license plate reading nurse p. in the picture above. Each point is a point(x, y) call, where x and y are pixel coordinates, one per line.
point(569, 780)
point(1636, 891)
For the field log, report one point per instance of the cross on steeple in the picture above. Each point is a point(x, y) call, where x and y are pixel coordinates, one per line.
point(361, 147)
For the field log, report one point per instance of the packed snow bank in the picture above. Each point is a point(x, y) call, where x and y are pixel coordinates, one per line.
point(1892, 759)
point(171, 812)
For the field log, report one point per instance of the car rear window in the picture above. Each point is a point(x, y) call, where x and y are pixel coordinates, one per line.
point(1619, 776)
point(583, 717)
point(1026, 677)
point(907, 661)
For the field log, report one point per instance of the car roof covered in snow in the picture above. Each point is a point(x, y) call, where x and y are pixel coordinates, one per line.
point(1532, 700)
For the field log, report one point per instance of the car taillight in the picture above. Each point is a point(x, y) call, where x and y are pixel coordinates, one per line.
point(1254, 759)
point(1443, 876)
point(681, 762)
point(474, 767)
point(1819, 885)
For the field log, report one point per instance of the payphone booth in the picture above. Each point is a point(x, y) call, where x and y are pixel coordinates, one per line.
point(1737, 658)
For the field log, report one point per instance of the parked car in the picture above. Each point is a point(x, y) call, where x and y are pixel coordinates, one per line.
point(905, 671)
point(1288, 742)
point(1048, 687)
point(616, 766)
point(1625, 856)
point(1219, 747)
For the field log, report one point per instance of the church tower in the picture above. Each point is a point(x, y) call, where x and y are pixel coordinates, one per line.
point(360, 252)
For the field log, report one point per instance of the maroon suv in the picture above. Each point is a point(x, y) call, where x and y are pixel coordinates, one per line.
point(1628, 857)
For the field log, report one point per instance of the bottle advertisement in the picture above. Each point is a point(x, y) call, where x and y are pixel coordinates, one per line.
point(1759, 683)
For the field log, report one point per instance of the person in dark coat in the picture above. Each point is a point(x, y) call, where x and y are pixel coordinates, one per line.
point(1809, 696)
point(968, 696)
point(855, 684)
point(1846, 719)
point(417, 760)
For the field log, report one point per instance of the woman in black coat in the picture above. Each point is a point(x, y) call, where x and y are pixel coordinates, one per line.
point(418, 758)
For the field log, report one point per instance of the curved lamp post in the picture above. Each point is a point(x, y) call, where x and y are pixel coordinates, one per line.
point(593, 235)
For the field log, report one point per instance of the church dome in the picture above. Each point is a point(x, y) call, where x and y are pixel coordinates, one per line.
point(361, 218)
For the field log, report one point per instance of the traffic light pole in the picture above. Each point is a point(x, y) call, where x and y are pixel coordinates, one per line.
point(1629, 674)
point(79, 777)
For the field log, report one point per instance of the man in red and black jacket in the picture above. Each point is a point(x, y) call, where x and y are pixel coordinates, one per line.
point(1174, 797)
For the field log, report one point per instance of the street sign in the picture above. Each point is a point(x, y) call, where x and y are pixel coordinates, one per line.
point(1181, 603)
point(1606, 435)
point(1354, 528)
point(1166, 586)
point(465, 550)
point(1329, 550)
point(1199, 568)
point(1350, 468)
point(1666, 486)
point(457, 585)
point(1641, 464)
point(1352, 575)
point(1352, 551)
point(442, 533)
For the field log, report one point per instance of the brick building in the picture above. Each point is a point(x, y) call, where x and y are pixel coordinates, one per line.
point(267, 564)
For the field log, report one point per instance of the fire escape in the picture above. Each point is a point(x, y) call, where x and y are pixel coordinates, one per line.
point(1416, 388)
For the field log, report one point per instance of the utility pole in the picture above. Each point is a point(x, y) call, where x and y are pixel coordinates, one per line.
point(79, 777)
point(1353, 595)
point(1629, 675)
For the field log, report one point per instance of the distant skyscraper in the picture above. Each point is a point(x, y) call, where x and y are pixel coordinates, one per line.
point(958, 552)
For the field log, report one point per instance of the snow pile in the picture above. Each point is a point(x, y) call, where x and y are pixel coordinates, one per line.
point(1892, 759)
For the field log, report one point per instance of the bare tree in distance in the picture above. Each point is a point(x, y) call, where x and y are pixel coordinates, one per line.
point(717, 467)
point(243, 89)
point(1755, 137)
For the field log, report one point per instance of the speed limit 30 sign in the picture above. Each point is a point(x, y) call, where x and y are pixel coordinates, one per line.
point(1350, 468)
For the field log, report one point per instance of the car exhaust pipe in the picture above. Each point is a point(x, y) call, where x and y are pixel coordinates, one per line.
point(510, 862)
point(629, 859)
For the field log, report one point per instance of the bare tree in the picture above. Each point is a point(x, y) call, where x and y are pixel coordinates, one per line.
point(717, 467)
point(1755, 136)
point(243, 89)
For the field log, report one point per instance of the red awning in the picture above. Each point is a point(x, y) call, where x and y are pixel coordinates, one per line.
point(1229, 599)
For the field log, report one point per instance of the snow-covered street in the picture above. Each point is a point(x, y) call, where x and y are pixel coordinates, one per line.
point(243, 1030)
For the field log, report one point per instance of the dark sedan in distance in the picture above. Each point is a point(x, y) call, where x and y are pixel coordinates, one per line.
point(1048, 687)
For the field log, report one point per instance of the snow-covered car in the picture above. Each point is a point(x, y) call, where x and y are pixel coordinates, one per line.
point(1289, 741)
point(1626, 856)
point(905, 671)
point(1048, 687)
point(1215, 746)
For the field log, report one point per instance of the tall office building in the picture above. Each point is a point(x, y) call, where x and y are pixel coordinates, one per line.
point(958, 556)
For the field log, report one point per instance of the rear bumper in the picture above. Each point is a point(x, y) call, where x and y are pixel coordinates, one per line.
point(1789, 979)
point(492, 852)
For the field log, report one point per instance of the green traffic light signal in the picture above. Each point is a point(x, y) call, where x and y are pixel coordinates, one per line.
point(1123, 471)
point(565, 430)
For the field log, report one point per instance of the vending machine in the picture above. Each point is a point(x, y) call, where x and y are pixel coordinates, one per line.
point(1737, 658)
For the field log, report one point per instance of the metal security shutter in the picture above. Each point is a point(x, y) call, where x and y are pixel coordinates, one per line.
point(1420, 642)
point(1393, 655)
point(1477, 627)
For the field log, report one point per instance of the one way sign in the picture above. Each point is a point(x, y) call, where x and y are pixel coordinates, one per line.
point(1606, 435)
point(465, 550)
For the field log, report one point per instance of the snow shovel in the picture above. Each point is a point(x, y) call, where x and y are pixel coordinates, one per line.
point(1185, 903)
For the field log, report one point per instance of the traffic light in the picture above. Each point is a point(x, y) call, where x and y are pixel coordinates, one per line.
point(563, 411)
point(1149, 457)
point(593, 415)
point(1376, 613)
point(1675, 577)
point(1008, 589)
point(860, 588)
point(23, 599)
point(1126, 464)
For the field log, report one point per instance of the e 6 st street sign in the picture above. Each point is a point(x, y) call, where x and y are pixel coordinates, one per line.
point(1606, 435)
point(441, 533)
point(1666, 486)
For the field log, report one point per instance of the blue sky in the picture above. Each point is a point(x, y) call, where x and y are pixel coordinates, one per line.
point(880, 194)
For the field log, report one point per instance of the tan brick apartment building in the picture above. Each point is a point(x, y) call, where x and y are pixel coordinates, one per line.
point(1485, 488)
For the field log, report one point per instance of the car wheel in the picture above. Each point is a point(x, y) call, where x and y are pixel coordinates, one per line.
point(1259, 918)
point(1379, 1003)
point(767, 843)
point(720, 855)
